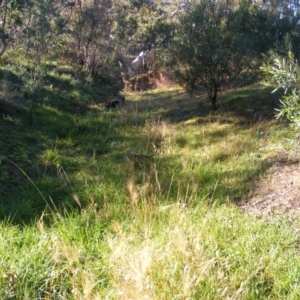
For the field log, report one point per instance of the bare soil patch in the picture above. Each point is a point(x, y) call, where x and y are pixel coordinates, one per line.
point(278, 193)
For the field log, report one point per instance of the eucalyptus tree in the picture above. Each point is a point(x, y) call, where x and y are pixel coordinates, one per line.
point(11, 22)
point(41, 39)
point(89, 39)
point(141, 24)
point(268, 22)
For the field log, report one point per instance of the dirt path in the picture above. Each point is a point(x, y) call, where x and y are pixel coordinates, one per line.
point(279, 193)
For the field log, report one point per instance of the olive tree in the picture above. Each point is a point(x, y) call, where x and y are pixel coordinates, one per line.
point(208, 49)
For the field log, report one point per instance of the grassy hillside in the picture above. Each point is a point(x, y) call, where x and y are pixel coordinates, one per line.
point(139, 202)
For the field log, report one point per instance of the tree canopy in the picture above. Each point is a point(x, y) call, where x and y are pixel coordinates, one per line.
point(217, 45)
point(209, 44)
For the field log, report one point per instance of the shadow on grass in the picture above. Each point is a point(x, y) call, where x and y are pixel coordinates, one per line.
point(175, 183)
point(62, 155)
point(30, 180)
point(68, 152)
point(250, 105)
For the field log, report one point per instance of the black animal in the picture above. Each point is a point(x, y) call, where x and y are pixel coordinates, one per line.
point(120, 100)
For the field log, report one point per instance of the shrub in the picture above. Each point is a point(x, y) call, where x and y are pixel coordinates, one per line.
point(282, 71)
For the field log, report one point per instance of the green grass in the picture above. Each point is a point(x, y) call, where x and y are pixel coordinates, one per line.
point(83, 218)
point(163, 252)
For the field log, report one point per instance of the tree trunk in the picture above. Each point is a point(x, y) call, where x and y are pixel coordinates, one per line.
point(31, 113)
point(214, 97)
point(213, 102)
point(2, 51)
